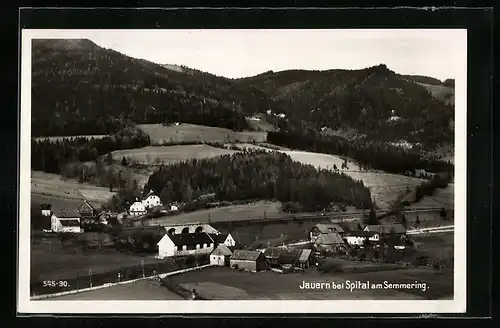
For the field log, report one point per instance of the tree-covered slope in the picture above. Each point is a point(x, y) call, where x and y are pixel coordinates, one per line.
point(80, 88)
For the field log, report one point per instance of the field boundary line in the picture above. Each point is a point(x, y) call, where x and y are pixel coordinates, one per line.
point(76, 291)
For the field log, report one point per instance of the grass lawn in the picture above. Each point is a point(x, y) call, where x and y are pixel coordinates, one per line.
point(156, 155)
point(196, 133)
point(53, 186)
point(139, 290)
point(51, 261)
point(224, 283)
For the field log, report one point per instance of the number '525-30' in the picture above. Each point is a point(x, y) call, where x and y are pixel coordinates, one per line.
point(54, 283)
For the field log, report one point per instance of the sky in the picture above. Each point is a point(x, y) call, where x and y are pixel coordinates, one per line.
point(242, 53)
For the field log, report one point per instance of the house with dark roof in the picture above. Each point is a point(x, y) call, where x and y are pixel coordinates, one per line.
point(329, 242)
point(320, 228)
point(185, 244)
point(359, 238)
point(387, 229)
point(88, 209)
point(224, 239)
point(248, 260)
point(63, 219)
point(220, 256)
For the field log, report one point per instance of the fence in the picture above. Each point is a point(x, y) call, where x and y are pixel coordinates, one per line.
point(113, 276)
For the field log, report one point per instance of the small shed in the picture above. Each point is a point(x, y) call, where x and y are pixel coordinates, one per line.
point(220, 256)
point(248, 260)
point(305, 257)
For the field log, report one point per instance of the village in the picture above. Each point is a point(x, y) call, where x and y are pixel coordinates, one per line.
point(322, 247)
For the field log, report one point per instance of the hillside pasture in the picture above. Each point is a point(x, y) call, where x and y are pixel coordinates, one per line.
point(186, 133)
point(54, 186)
point(59, 138)
point(157, 155)
point(260, 124)
point(441, 92)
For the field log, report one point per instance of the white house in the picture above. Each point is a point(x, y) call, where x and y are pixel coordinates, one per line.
point(220, 256)
point(359, 237)
point(185, 244)
point(137, 208)
point(224, 239)
point(151, 201)
point(191, 228)
point(65, 220)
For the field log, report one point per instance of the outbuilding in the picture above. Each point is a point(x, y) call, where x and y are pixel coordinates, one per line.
point(220, 256)
point(248, 260)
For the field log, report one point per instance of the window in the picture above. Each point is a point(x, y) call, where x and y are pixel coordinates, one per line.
point(197, 246)
point(211, 244)
point(185, 230)
point(175, 249)
point(205, 245)
point(184, 248)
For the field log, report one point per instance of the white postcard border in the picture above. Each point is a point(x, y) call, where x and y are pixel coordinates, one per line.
point(457, 305)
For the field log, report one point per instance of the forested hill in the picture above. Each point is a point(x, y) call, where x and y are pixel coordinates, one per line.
point(80, 88)
point(374, 101)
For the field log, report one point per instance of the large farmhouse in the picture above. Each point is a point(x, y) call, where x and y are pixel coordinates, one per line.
point(63, 220)
point(329, 242)
point(185, 244)
point(151, 200)
point(359, 238)
point(137, 209)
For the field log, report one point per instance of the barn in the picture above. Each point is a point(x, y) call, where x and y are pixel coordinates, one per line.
point(220, 256)
point(248, 260)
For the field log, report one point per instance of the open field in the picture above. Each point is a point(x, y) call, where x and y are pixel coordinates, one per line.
point(139, 290)
point(51, 261)
point(170, 154)
point(441, 198)
point(260, 124)
point(52, 139)
point(198, 133)
point(255, 210)
point(213, 282)
point(441, 92)
point(53, 186)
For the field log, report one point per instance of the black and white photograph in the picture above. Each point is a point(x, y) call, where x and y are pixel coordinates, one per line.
point(243, 169)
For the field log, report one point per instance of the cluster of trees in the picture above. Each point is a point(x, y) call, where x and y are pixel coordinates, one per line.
point(83, 89)
point(257, 175)
point(427, 188)
point(53, 156)
point(369, 154)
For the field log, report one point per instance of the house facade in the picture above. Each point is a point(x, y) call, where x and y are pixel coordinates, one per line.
point(137, 209)
point(359, 238)
point(151, 200)
point(65, 220)
point(87, 209)
point(220, 256)
point(329, 242)
point(253, 261)
point(319, 229)
point(305, 258)
point(224, 239)
point(185, 244)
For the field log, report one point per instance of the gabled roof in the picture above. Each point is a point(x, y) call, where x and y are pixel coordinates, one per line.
point(219, 238)
point(331, 238)
point(304, 255)
point(245, 255)
point(190, 239)
point(222, 250)
point(70, 223)
point(66, 212)
point(326, 228)
point(273, 252)
point(363, 233)
point(386, 228)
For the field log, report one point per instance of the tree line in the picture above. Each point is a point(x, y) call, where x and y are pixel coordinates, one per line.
point(254, 175)
point(54, 156)
point(369, 154)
